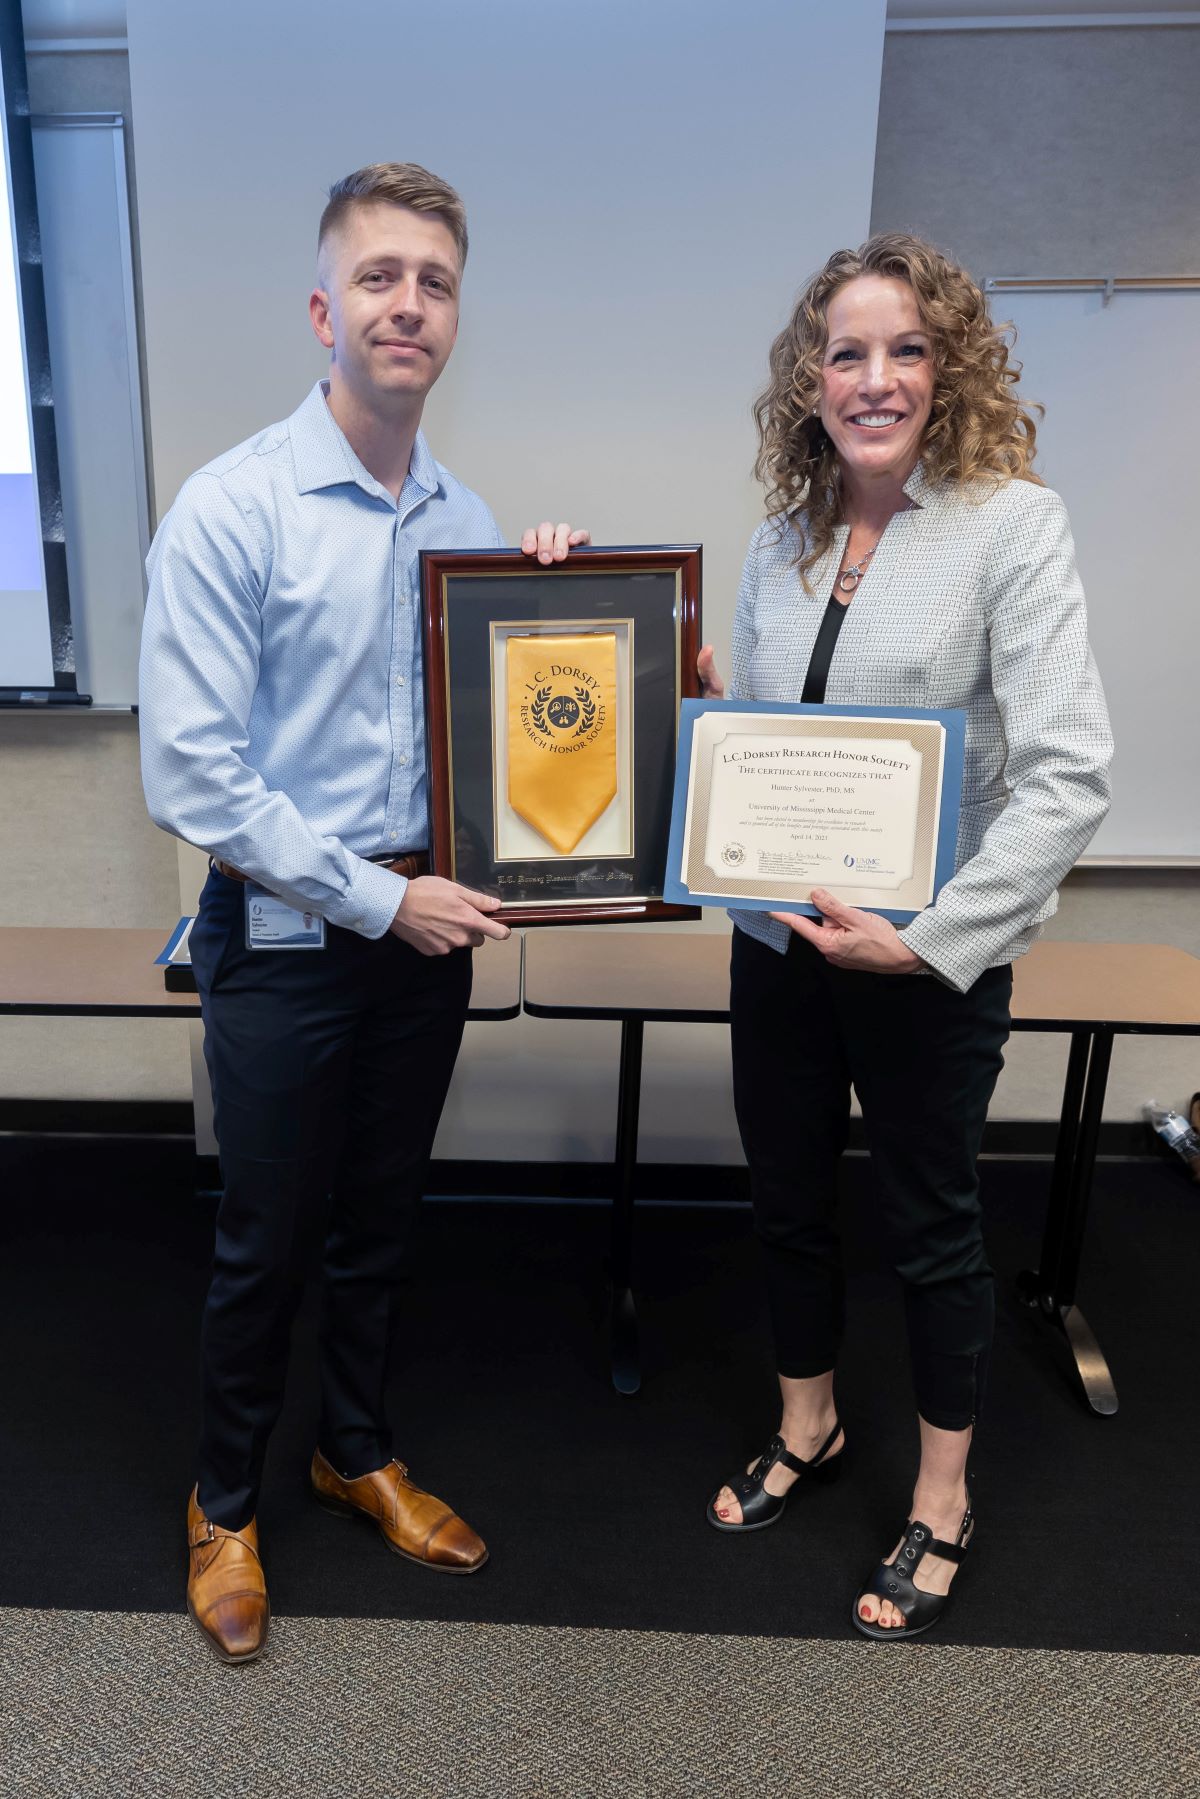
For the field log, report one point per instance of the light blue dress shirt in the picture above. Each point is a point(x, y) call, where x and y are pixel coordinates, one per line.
point(282, 713)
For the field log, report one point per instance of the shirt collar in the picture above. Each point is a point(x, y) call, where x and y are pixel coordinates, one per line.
point(422, 469)
point(323, 458)
point(919, 487)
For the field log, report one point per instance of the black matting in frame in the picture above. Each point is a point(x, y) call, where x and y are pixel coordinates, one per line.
point(574, 599)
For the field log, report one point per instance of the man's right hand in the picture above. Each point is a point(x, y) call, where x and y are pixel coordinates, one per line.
point(436, 916)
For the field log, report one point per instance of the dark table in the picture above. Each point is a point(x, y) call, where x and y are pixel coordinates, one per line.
point(1092, 991)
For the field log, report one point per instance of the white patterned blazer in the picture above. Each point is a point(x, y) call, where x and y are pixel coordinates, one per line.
point(972, 600)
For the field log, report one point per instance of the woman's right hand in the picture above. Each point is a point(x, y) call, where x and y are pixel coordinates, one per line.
point(712, 687)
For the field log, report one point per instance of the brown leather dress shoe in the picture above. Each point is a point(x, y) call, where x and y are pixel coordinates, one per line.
point(411, 1523)
point(227, 1591)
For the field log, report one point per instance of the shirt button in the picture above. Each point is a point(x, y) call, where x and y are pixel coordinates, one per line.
point(404, 761)
point(399, 680)
point(393, 836)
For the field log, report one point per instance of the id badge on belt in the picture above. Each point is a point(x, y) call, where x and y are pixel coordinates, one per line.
point(272, 924)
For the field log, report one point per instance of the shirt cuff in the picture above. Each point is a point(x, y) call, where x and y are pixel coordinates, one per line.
point(369, 904)
point(926, 936)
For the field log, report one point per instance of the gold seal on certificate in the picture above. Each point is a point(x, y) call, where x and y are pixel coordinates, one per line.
point(779, 801)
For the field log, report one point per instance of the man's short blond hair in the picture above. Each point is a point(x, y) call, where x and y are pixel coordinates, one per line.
point(399, 184)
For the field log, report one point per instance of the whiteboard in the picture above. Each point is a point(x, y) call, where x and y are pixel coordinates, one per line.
point(91, 316)
point(1121, 443)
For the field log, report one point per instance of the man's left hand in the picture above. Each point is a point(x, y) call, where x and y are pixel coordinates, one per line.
point(850, 938)
point(550, 543)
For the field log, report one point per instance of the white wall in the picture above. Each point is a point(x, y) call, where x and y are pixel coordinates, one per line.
point(638, 232)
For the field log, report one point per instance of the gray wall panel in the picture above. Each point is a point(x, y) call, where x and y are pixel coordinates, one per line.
point(1035, 152)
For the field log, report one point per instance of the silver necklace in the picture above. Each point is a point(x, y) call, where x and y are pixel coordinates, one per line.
point(850, 577)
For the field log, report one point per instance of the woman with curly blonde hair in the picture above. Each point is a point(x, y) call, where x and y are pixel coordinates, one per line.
point(910, 557)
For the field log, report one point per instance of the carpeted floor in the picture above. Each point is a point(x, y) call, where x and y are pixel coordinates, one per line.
point(592, 1504)
point(124, 1706)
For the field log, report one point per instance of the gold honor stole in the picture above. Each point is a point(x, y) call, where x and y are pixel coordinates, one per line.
point(562, 732)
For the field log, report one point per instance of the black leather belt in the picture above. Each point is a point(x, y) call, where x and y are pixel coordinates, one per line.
point(415, 863)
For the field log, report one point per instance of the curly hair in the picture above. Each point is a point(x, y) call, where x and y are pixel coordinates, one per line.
point(977, 428)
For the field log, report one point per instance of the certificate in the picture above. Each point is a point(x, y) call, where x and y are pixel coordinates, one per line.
point(552, 712)
point(772, 800)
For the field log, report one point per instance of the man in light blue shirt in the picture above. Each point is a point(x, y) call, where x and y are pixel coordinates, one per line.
point(282, 731)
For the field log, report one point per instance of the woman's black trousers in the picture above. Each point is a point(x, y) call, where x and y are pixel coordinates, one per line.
point(924, 1062)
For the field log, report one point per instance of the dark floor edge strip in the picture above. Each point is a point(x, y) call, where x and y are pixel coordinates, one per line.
point(172, 1120)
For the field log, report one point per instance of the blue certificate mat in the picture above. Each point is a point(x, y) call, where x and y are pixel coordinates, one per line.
point(772, 800)
point(175, 952)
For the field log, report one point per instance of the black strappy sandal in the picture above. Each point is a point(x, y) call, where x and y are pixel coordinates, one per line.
point(894, 1581)
point(760, 1508)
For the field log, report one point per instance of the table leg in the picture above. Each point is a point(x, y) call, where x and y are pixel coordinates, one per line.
point(1093, 1369)
point(1052, 1287)
point(626, 1367)
point(1043, 1280)
point(1095, 1376)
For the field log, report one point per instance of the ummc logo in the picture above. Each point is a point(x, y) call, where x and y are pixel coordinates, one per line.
point(849, 861)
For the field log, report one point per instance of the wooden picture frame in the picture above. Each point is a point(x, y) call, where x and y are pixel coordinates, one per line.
point(621, 628)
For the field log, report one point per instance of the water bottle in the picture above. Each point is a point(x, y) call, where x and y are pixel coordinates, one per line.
point(1176, 1133)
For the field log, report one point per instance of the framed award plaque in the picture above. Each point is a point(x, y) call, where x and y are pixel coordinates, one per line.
point(552, 701)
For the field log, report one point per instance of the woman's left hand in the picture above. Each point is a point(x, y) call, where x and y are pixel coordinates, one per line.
point(712, 687)
point(850, 938)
